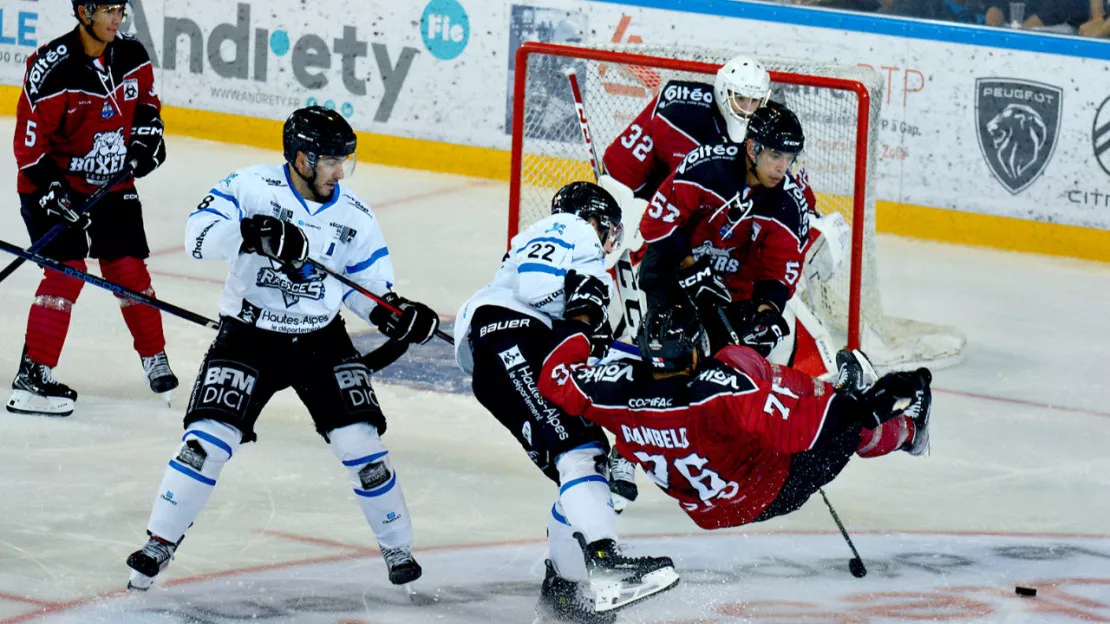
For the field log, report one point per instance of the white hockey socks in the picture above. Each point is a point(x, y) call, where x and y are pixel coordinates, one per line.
point(584, 492)
point(563, 548)
point(191, 477)
point(372, 477)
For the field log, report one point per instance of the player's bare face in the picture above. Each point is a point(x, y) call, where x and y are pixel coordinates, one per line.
point(771, 166)
point(106, 20)
point(609, 237)
point(329, 171)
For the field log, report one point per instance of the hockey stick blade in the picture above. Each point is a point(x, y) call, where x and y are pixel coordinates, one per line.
point(112, 287)
point(55, 231)
point(346, 281)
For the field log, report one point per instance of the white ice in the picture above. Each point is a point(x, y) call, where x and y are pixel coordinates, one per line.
point(1015, 492)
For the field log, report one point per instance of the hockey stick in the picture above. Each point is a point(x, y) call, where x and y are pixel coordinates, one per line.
point(623, 266)
point(376, 299)
point(112, 287)
point(85, 206)
point(855, 566)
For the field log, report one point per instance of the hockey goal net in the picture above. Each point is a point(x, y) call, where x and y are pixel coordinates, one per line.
point(839, 107)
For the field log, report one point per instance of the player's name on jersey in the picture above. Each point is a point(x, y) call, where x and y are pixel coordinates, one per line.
point(665, 438)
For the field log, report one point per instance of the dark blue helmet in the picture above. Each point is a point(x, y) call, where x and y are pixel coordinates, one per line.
point(669, 338)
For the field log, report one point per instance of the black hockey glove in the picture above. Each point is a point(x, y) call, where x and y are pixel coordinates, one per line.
point(895, 394)
point(588, 296)
point(147, 149)
point(702, 285)
point(274, 238)
point(765, 331)
point(415, 323)
point(54, 203)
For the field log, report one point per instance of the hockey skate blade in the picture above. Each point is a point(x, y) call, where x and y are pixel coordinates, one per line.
point(24, 402)
point(139, 581)
point(619, 502)
point(610, 595)
point(167, 396)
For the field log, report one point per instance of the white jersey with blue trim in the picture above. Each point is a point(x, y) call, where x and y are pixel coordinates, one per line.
point(342, 234)
point(530, 280)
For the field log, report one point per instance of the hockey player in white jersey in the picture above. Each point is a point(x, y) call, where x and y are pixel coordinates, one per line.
point(279, 327)
point(555, 270)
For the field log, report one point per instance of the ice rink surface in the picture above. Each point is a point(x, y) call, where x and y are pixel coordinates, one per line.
point(1015, 492)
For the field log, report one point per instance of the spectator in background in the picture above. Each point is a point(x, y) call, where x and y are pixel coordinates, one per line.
point(1098, 25)
point(1067, 16)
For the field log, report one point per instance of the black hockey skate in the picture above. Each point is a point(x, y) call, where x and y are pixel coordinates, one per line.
point(403, 568)
point(622, 481)
point(918, 412)
point(158, 374)
point(617, 581)
point(562, 601)
point(145, 564)
point(35, 391)
point(854, 373)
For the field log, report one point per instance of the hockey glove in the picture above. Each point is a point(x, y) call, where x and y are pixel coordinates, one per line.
point(54, 202)
point(765, 331)
point(702, 285)
point(587, 297)
point(895, 394)
point(147, 149)
point(275, 239)
point(415, 323)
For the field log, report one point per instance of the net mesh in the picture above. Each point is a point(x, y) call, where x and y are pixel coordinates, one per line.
point(614, 92)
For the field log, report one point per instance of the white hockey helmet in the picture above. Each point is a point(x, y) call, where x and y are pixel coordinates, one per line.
point(741, 78)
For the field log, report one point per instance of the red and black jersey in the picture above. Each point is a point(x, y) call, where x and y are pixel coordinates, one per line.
point(683, 116)
point(75, 114)
point(750, 235)
point(719, 442)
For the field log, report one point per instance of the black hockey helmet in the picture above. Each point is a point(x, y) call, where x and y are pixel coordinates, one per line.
point(774, 126)
point(670, 336)
point(588, 200)
point(317, 131)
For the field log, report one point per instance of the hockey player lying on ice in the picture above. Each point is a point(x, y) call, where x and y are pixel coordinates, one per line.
point(733, 438)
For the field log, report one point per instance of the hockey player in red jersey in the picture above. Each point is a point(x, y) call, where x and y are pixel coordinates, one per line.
point(87, 108)
point(727, 231)
point(733, 438)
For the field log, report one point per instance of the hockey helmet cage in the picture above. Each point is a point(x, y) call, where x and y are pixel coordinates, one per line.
point(776, 127)
point(588, 200)
point(670, 336)
point(740, 77)
point(317, 131)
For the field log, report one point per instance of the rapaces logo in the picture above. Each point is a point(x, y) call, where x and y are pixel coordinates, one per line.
point(244, 50)
point(308, 286)
point(1017, 122)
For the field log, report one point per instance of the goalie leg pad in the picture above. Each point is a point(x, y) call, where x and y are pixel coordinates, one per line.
point(374, 482)
point(584, 491)
point(191, 476)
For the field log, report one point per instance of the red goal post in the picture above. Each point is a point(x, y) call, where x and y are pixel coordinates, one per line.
point(838, 105)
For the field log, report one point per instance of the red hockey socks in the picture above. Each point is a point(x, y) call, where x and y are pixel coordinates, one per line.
point(48, 321)
point(887, 438)
point(144, 321)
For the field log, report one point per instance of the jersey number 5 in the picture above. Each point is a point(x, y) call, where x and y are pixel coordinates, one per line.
point(29, 136)
point(638, 142)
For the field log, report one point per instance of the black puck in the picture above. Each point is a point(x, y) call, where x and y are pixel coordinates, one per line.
point(855, 566)
point(1025, 591)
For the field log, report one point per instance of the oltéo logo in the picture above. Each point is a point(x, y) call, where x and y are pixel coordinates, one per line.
point(232, 52)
